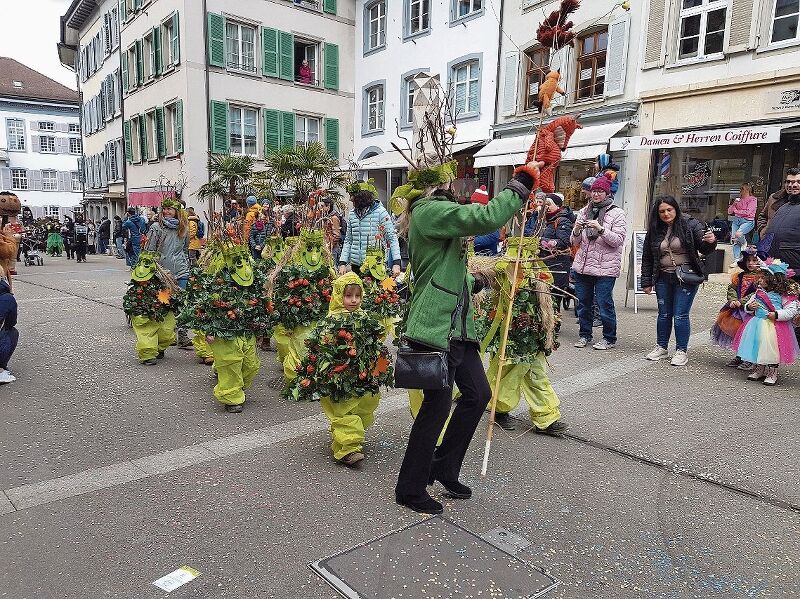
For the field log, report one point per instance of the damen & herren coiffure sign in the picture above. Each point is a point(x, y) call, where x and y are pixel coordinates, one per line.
point(709, 137)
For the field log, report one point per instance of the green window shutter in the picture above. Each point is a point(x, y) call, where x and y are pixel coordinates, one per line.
point(286, 47)
point(269, 40)
point(126, 132)
point(332, 137)
point(176, 39)
point(123, 11)
point(219, 127)
point(160, 132)
point(287, 130)
point(329, 6)
point(272, 131)
point(158, 66)
point(179, 126)
point(143, 136)
point(139, 62)
point(216, 40)
point(124, 68)
point(331, 66)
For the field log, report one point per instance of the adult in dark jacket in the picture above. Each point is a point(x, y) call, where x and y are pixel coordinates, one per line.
point(672, 241)
point(104, 235)
point(134, 226)
point(9, 336)
point(68, 237)
point(775, 201)
point(785, 225)
point(555, 244)
point(119, 237)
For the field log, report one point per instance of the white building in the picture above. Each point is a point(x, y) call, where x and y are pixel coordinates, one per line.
point(456, 39)
point(90, 45)
point(40, 141)
point(709, 66)
point(598, 75)
point(228, 80)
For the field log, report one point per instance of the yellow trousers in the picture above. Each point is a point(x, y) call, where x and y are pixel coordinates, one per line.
point(153, 336)
point(236, 365)
point(531, 382)
point(291, 348)
point(349, 419)
point(201, 347)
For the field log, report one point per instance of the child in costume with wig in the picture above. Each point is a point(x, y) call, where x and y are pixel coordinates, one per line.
point(767, 338)
point(344, 368)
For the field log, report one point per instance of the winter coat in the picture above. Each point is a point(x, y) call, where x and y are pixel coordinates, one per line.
point(8, 307)
point(786, 228)
point(259, 238)
point(772, 205)
point(361, 234)
point(104, 230)
point(173, 249)
point(601, 257)
point(436, 238)
point(486, 245)
point(692, 243)
point(744, 207)
point(135, 226)
point(249, 218)
point(559, 227)
point(117, 229)
point(195, 233)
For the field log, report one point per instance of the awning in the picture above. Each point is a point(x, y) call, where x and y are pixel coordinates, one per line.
point(586, 143)
point(393, 159)
point(151, 199)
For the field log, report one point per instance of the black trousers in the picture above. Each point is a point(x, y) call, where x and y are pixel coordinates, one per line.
point(80, 250)
point(423, 459)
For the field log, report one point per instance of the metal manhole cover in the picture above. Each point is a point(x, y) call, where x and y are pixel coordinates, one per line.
point(433, 558)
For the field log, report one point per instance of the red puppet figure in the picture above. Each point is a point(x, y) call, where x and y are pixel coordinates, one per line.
point(550, 142)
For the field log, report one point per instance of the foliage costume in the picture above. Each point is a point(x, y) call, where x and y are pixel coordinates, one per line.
point(149, 302)
point(344, 368)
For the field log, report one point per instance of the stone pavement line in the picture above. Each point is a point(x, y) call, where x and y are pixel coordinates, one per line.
point(6, 506)
point(94, 479)
point(75, 295)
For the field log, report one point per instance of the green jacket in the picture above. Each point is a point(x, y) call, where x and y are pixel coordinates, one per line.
point(441, 306)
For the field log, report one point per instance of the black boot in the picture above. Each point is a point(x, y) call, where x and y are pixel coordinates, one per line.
point(422, 505)
point(504, 421)
point(454, 489)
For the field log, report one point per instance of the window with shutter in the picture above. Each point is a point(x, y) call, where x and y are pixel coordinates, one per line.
point(617, 57)
point(124, 69)
point(286, 49)
point(179, 126)
point(139, 62)
point(654, 40)
point(329, 6)
point(271, 58)
point(511, 64)
point(331, 66)
point(332, 137)
point(216, 40)
point(219, 127)
point(176, 39)
point(287, 129)
point(272, 131)
point(123, 10)
point(741, 20)
point(158, 65)
point(161, 136)
point(126, 134)
point(143, 137)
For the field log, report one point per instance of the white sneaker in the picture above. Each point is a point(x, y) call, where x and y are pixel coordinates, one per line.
point(603, 344)
point(680, 358)
point(658, 353)
point(582, 342)
point(6, 377)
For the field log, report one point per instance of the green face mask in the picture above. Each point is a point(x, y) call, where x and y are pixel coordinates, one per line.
point(311, 255)
point(274, 249)
point(146, 266)
point(375, 264)
point(237, 259)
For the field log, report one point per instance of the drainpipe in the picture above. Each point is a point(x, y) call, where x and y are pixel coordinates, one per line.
point(208, 93)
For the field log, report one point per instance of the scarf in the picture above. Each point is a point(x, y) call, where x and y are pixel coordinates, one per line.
point(597, 211)
point(170, 223)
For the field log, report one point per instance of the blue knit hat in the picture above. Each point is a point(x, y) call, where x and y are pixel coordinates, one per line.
point(251, 200)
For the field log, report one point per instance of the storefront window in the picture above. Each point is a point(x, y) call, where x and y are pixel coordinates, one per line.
point(570, 176)
point(705, 180)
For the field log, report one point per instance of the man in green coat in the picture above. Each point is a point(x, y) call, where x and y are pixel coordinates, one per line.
point(440, 317)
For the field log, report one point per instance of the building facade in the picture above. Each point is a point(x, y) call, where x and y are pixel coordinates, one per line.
point(90, 44)
point(229, 80)
point(395, 40)
point(40, 141)
point(720, 92)
point(598, 75)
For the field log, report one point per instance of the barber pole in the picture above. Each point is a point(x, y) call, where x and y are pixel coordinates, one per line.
point(664, 166)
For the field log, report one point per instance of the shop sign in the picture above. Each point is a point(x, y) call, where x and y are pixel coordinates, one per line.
point(708, 137)
point(781, 101)
point(697, 178)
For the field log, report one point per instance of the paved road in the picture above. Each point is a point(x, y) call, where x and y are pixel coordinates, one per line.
point(673, 483)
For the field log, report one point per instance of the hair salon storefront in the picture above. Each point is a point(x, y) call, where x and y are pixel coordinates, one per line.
point(704, 169)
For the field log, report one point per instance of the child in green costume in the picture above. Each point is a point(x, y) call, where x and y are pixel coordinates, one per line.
point(344, 368)
point(149, 303)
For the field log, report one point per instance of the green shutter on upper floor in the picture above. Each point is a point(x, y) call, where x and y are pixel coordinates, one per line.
point(272, 131)
point(329, 6)
point(161, 135)
point(331, 66)
point(126, 133)
point(143, 136)
point(332, 137)
point(216, 40)
point(287, 130)
point(139, 62)
point(286, 49)
point(219, 127)
point(176, 39)
point(269, 41)
point(179, 126)
point(158, 66)
point(123, 11)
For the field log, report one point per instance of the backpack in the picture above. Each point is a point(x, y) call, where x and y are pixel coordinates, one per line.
point(81, 233)
point(201, 229)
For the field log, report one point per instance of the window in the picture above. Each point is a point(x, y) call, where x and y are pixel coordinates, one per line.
point(52, 212)
point(592, 65)
point(466, 78)
point(47, 143)
point(306, 62)
point(74, 128)
point(464, 8)
point(785, 20)
point(241, 41)
point(306, 130)
point(702, 28)
point(19, 178)
point(151, 131)
point(74, 145)
point(49, 181)
point(46, 126)
point(169, 41)
point(410, 88)
point(375, 27)
point(417, 17)
point(132, 69)
point(170, 128)
point(242, 123)
point(15, 130)
point(150, 54)
point(76, 180)
point(374, 108)
point(536, 68)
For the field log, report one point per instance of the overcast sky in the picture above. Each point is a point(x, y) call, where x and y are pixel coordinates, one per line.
point(29, 32)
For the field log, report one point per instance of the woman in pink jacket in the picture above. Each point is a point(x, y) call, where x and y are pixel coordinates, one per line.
point(743, 210)
point(600, 230)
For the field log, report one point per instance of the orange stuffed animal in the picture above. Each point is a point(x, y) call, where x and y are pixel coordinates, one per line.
point(547, 90)
point(552, 140)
